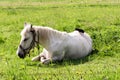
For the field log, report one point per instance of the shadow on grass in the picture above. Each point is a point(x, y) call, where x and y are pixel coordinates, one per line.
point(63, 63)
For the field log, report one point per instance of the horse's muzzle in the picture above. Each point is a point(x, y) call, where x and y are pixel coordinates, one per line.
point(21, 55)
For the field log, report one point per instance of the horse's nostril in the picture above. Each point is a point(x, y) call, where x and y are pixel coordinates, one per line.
point(21, 55)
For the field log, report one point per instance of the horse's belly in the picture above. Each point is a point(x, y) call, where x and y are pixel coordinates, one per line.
point(77, 49)
point(75, 54)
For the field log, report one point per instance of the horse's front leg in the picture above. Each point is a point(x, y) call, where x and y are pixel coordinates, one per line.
point(38, 58)
point(45, 60)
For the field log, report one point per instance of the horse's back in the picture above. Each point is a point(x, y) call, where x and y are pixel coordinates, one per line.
point(78, 45)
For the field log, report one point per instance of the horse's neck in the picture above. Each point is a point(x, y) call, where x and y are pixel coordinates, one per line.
point(47, 35)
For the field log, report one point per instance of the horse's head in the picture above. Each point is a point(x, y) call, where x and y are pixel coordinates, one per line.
point(27, 40)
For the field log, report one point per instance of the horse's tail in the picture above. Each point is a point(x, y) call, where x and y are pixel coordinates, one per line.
point(80, 30)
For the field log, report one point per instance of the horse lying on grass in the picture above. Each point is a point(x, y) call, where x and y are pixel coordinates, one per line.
point(57, 45)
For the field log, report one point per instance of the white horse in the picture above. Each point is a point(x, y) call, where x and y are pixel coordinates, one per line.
point(57, 45)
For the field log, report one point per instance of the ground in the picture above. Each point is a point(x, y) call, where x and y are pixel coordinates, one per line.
point(100, 18)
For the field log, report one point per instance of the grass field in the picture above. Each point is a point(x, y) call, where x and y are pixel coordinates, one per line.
point(100, 18)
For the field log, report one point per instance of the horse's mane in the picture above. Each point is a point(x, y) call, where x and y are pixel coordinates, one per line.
point(46, 33)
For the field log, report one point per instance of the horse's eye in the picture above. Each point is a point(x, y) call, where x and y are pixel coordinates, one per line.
point(25, 39)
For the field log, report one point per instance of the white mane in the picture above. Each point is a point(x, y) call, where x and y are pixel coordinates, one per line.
point(48, 35)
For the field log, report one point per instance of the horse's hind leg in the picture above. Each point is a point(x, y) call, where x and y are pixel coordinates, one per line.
point(47, 61)
point(53, 59)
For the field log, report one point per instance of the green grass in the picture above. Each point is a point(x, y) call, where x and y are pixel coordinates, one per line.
point(100, 18)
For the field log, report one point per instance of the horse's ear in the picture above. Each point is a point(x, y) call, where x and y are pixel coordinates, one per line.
point(31, 28)
point(25, 24)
